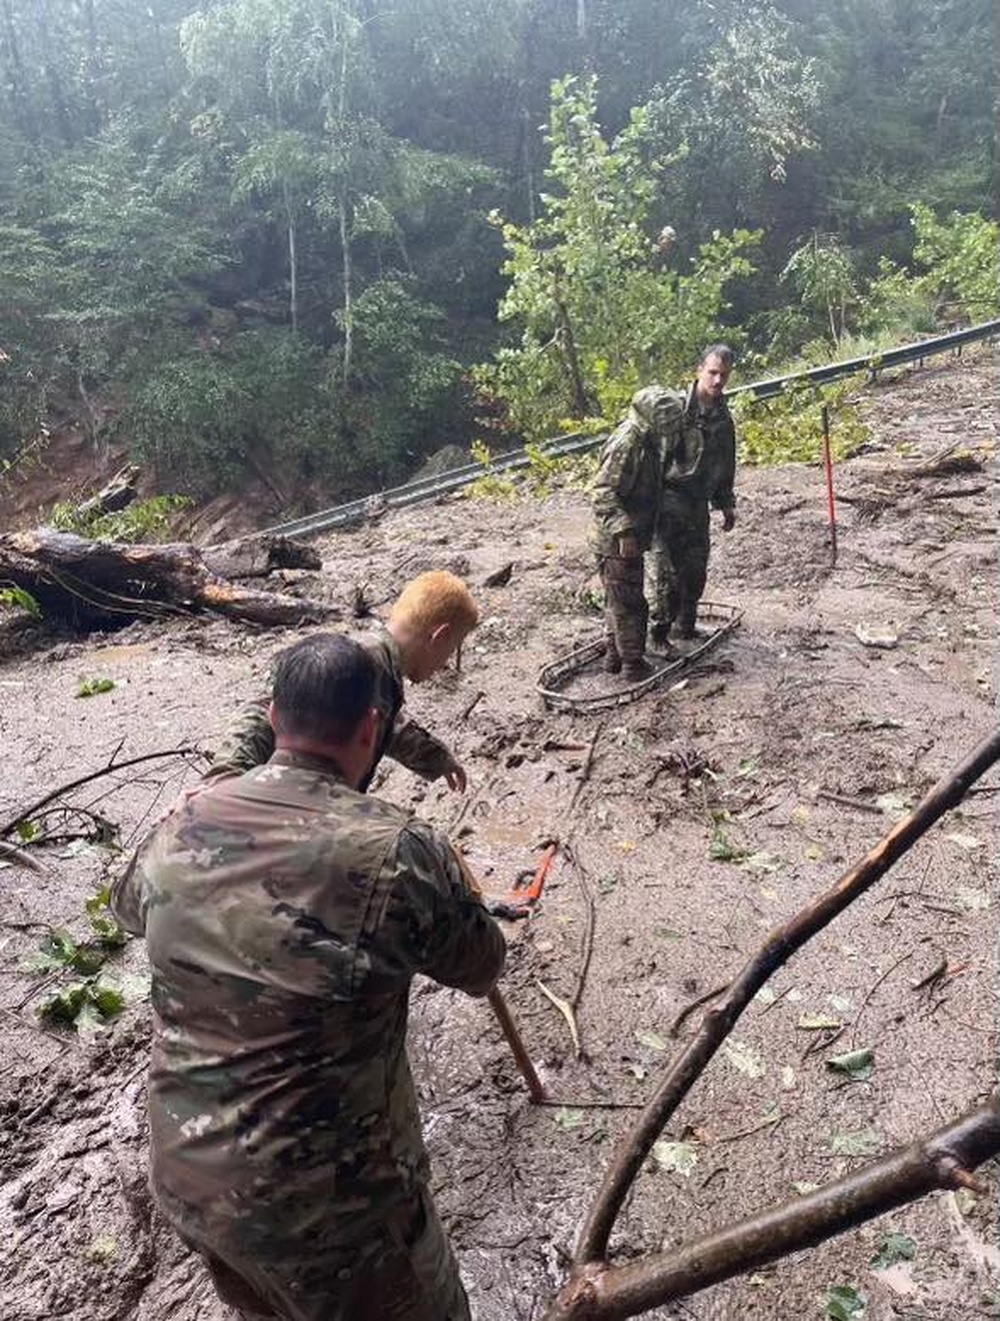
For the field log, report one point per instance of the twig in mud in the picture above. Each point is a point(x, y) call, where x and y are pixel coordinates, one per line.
point(935, 975)
point(566, 1009)
point(823, 1041)
point(588, 762)
point(108, 769)
point(468, 803)
point(858, 803)
point(587, 944)
point(469, 707)
point(738, 1136)
point(688, 1010)
point(877, 983)
point(574, 1103)
point(776, 1001)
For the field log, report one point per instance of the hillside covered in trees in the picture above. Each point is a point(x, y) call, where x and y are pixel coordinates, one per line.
point(324, 238)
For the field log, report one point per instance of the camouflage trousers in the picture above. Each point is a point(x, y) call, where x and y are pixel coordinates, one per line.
point(677, 564)
point(406, 1272)
point(625, 609)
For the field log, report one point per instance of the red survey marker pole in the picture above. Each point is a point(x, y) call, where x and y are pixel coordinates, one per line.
point(828, 465)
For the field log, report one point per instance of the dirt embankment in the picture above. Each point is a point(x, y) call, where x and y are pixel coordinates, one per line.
point(710, 812)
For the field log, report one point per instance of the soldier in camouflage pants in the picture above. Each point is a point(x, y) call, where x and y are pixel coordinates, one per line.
point(285, 914)
point(427, 624)
point(699, 473)
point(627, 494)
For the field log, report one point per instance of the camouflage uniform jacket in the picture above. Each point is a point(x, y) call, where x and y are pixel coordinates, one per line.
point(285, 915)
point(249, 739)
point(702, 464)
point(630, 475)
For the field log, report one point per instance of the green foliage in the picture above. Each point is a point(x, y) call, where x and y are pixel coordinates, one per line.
point(894, 1248)
point(822, 271)
point(88, 1004)
point(956, 273)
point(93, 687)
point(844, 1303)
point(403, 387)
point(142, 521)
point(201, 415)
point(597, 319)
point(491, 486)
point(788, 428)
point(742, 111)
point(20, 599)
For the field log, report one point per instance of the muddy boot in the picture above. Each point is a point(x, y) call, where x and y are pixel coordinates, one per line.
point(612, 658)
point(659, 638)
point(686, 627)
point(636, 669)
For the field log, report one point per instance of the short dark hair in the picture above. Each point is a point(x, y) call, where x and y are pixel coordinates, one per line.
point(721, 351)
point(322, 687)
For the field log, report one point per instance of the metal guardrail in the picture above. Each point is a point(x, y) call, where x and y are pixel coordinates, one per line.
point(429, 488)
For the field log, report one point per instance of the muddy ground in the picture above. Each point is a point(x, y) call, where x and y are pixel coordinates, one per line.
point(709, 812)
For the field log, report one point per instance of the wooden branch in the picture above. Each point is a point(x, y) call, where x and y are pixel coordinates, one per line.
point(91, 582)
point(112, 765)
point(945, 1159)
point(256, 557)
point(11, 853)
point(778, 948)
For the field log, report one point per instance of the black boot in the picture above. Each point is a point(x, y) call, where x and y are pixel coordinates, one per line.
point(636, 669)
point(612, 658)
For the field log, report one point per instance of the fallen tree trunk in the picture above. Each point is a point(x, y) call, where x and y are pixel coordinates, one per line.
point(256, 557)
point(93, 583)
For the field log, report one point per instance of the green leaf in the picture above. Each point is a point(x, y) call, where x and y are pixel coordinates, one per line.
point(844, 1303)
point(17, 596)
point(91, 687)
point(59, 950)
point(862, 1142)
point(762, 861)
point(744, 1058)
point(675, 1157)
point(854, 1064)
point(970, 900)
point(567, 1118)
point(895, 1248)
point(651, 1040)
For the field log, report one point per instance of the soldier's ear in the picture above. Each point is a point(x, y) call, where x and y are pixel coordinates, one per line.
point(370, 727)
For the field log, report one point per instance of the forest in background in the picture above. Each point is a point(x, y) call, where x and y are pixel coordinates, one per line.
point(323, 238)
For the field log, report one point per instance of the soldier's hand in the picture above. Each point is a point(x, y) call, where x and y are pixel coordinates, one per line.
point(728, 520)
point(628, 546)
point(456, 778)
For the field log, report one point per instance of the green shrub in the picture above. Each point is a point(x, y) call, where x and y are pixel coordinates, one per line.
point(788, 428)
point(142, 521)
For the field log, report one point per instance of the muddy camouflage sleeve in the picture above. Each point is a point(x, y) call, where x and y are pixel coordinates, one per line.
point(723, 496)
point(127, 901)
point(413, 747)
point(439, 927)
point(615, 482)
point(248, 741)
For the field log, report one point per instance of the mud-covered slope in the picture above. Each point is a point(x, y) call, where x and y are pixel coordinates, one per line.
point(709, 812)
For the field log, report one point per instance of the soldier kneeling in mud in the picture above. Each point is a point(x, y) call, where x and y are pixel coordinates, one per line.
point(627, 498)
